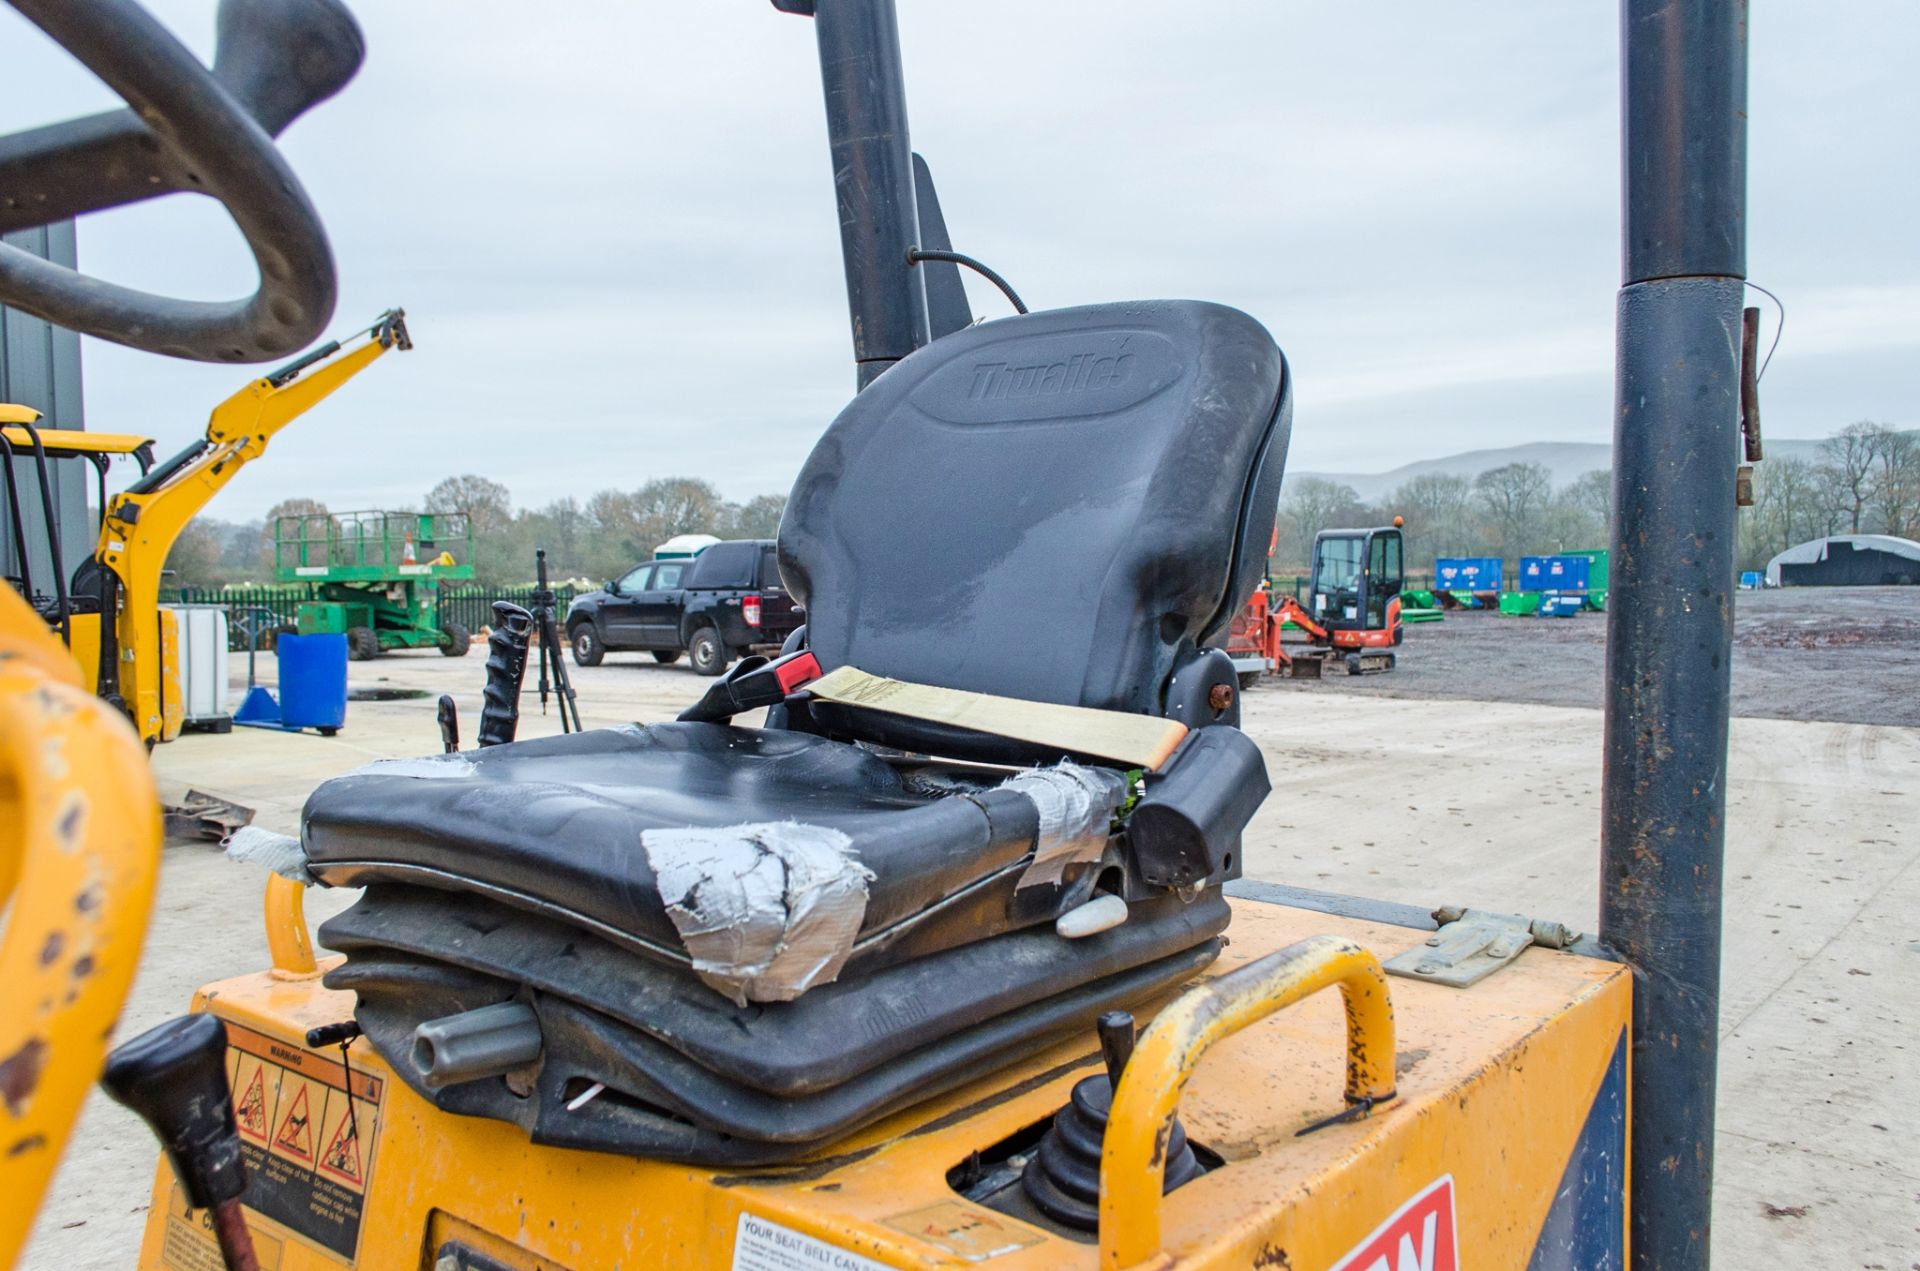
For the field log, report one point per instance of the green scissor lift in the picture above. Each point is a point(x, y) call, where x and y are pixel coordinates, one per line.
point(375, 577)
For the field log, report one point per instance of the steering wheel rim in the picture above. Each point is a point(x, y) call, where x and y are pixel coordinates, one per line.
point(231, 158)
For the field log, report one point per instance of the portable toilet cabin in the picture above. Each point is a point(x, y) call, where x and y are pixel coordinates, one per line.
point(684, 546)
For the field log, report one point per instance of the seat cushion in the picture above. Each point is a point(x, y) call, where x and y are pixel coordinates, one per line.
point(698, 1078)
point(556, 826)
point(1059, 507)
point(656, 1105)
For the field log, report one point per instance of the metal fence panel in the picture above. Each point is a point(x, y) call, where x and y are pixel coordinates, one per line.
point(471, 607)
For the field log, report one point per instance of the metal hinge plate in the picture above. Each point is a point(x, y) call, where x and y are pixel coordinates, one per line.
point(1474, 943)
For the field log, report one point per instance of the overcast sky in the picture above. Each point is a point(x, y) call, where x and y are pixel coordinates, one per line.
point(612, 223)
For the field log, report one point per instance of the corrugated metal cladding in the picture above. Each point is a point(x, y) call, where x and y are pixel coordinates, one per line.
point(40, 367)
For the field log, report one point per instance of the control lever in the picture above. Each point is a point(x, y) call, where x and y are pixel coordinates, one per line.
point(448, 716)
point(1116, 1043)
point(1062, 1177)
point(506, 668)
point(175, 1078)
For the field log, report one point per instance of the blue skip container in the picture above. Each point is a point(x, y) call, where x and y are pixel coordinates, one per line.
point(313, 681)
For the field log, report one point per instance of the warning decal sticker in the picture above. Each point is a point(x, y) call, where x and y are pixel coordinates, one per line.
point(295, 1135)
point(760, 1245)
point(975, 1234)
point(250, 1099)
point(342, 1137)
point(189, 1244)
point(308, 1126)
point(1418, 1237)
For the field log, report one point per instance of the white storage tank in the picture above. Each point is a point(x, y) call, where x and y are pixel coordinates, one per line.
point(206, 697)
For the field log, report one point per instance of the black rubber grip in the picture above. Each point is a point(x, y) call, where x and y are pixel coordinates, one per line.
point(506, 668)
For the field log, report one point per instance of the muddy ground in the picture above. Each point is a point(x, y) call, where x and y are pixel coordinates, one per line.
point(1848, 655)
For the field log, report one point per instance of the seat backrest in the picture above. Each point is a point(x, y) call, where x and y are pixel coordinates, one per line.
point(1060, 506)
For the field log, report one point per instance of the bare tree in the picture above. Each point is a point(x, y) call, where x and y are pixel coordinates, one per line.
point(758, 517)
point(1850, 459)
point(296, 512)
point(681, 505)
point(614, 533)
point(1309, 505)
point(1896, 483)
point(1592, 494)
point(1515, 497)
point(626, 525)
point(195, 555)
point(1438, 510)
point(488, 504)
point(1792, 503)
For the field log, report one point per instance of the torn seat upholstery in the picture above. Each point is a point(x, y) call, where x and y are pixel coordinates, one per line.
point(741, 944)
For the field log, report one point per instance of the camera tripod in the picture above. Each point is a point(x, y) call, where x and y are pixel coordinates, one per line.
point(552, 662)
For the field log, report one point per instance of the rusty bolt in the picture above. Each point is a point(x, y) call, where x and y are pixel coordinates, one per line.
point(1220, 696)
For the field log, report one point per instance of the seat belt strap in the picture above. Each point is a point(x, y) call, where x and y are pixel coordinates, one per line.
point(1133, 741)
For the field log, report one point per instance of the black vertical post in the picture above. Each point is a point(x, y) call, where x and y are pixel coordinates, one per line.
point(1670, 611)
point(866, 95)
point(40, 367)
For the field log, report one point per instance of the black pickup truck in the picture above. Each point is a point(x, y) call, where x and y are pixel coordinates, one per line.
point(715, 607)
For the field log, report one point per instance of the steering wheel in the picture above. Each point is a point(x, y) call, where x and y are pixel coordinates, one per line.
point(189, 128)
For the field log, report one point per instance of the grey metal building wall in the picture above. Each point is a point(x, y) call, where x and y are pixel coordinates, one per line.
point(40, 367)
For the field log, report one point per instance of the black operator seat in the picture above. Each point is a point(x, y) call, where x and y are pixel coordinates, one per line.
point(1060, 507)
point(1064, 507)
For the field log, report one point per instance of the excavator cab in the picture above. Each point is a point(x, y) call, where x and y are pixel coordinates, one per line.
point(36, 459)
point(1357, 579)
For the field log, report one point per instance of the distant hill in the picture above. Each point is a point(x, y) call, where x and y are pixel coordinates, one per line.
point(1566, 459)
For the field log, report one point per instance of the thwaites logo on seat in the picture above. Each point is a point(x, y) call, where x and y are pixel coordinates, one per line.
point(1418, 1237)
point(1078, 373)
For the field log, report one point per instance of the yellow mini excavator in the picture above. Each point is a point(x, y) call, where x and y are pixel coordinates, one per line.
point(931, 968)
point(109, 613)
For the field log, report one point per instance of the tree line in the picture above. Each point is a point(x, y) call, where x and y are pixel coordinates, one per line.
point(1510, 511)
point(595, 539)
point(1865, 480)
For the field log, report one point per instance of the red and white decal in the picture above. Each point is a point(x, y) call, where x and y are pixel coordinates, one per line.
point(1419, 1236)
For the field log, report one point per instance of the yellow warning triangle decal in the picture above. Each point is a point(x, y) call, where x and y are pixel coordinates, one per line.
point(295, 1134)
point(252, 1111)
point(343, 1154)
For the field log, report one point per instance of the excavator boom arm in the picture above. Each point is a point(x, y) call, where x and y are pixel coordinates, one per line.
point(1289, 610)
point(143, 522)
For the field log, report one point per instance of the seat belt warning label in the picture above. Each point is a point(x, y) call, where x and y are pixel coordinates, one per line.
point(760, 1245)
point(308, 1125)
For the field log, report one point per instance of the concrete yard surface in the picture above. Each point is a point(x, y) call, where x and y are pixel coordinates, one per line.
point(1430, 800)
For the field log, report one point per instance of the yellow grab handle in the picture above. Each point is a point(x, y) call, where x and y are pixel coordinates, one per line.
point(80, 838)
point(286, 915)
point(1132, 1168)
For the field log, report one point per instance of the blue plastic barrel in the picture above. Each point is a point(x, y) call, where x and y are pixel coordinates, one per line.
point(313, 680)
